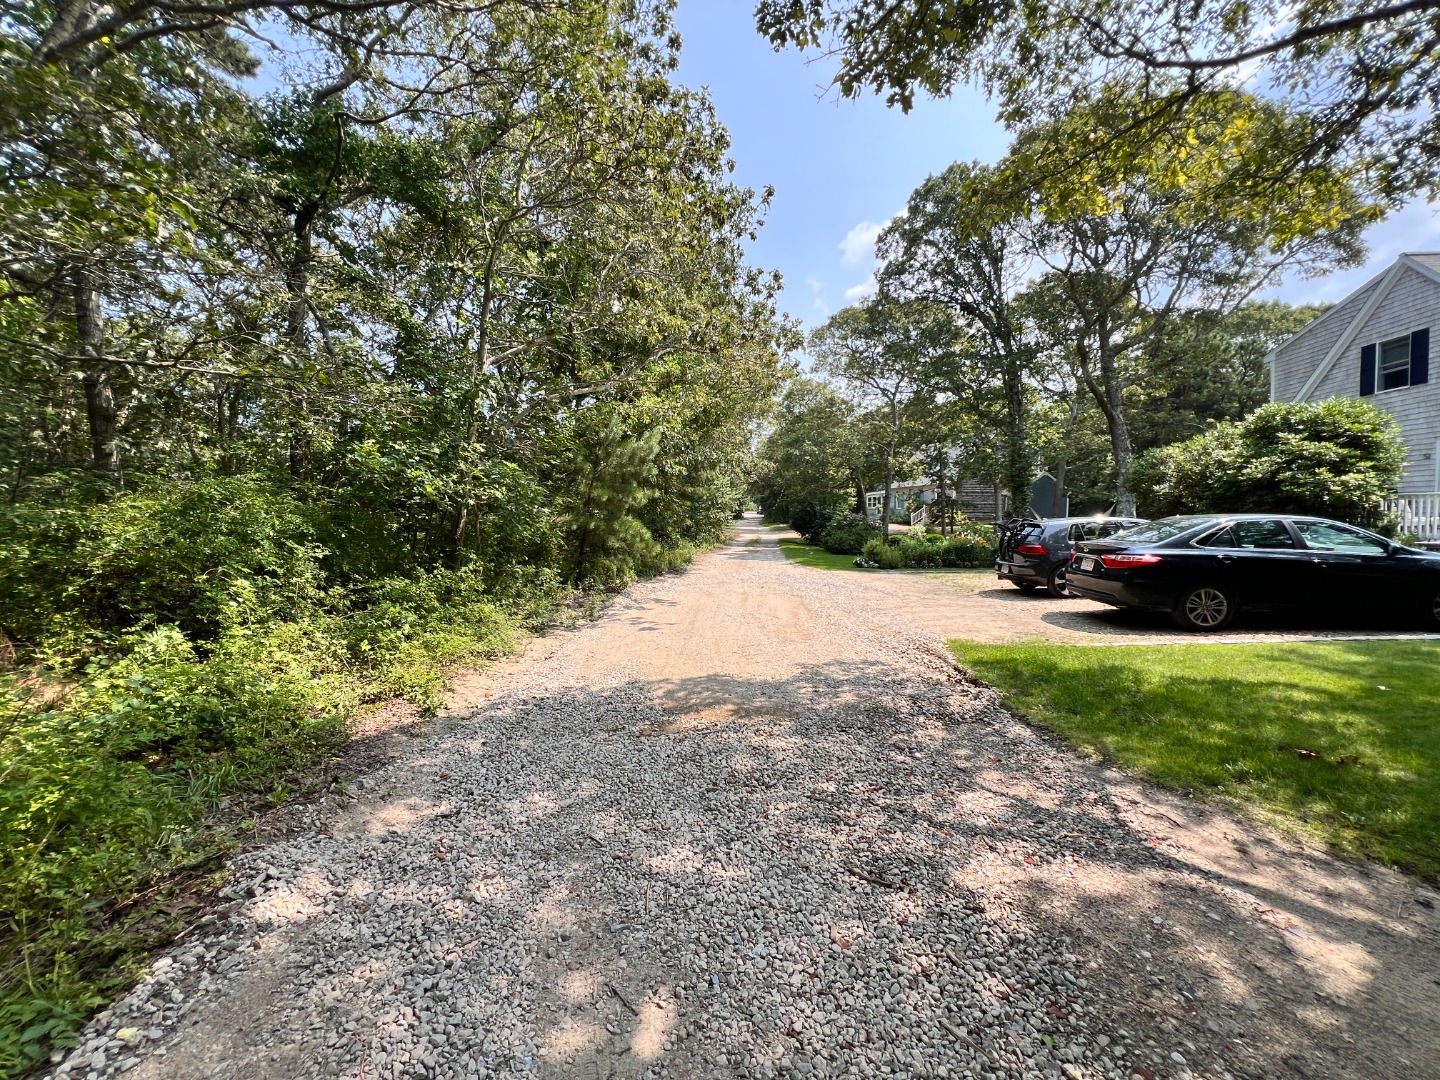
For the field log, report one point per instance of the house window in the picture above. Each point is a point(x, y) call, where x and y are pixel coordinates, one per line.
point(1395, 363)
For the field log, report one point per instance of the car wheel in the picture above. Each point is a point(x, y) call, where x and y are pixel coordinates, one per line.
point(1432, 611)
point(1056, 585)
point(1026, 586)
point(1204, 607)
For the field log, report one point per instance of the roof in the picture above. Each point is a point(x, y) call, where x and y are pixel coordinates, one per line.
point(1423, 262)
point(1427, 258)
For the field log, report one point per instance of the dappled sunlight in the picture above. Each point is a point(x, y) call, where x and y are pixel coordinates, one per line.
point(656, 1020)
point(536, 804)
point(489, 884)
point(290, 904)
point(403, 815)
point(679, 859)
point(553, 912)
point(581, 984)
point(570, 1037)
point(847, 866)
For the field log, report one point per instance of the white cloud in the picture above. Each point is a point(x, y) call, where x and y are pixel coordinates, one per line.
point(858, 247)
point(865, 288)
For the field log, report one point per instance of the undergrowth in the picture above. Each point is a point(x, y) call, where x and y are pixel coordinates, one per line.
point(176, 653)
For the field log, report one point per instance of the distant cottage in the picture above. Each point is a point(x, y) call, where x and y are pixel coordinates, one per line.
point(1375, 344)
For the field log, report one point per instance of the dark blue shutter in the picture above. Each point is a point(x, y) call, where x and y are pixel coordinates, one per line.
point(1420, 357)
point(1367, 371)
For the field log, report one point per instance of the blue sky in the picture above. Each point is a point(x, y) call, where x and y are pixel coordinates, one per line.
point(841, 168)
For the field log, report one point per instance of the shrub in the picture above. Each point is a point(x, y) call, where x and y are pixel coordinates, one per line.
point(848, 535)
point(1337, 458)
point(972, 546)
point(812, 519)
point(109, 771)
point(113, 755)
point(203, 555)
point(878, 553)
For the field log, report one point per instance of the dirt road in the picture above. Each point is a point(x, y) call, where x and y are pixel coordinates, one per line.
point(753, 823)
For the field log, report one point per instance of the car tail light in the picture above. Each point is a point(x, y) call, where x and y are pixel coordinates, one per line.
point(1125, 562)
point(1031, 549)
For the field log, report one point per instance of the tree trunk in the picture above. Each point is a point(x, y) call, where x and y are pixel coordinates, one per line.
point(1120, 445)
point(885, 508)
point(940, 482)
point(457, 538)
point(1018, 471)
point(297, 330)
point(101, 413)
point(890, 465)
point(1057, 501)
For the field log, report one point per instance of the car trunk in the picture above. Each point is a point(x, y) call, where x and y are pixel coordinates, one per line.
point(1028, 533)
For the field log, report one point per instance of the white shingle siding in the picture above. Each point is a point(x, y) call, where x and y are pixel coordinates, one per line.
point(1412, 302)
point(1296, 359)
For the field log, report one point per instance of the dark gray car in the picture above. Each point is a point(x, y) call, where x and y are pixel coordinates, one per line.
point(1034, 554)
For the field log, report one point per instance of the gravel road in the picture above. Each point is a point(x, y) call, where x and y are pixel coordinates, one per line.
point(752, 822)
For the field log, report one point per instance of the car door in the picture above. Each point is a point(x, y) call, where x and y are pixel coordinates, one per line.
point(1260, 559)
point(1356, 571)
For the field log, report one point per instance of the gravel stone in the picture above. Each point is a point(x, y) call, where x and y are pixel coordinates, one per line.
point(670, 844)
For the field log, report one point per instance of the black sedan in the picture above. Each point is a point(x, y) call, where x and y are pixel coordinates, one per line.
point(1204, 568)
point(1036, 554)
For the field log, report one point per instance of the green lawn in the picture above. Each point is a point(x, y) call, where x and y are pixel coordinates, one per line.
point(814, 555)
point(1341, 738)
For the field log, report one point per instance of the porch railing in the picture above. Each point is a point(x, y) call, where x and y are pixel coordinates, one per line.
point(920, 517)
point(1419, 514)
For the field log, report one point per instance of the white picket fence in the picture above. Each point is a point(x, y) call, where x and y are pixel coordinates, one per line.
point(1419, 514)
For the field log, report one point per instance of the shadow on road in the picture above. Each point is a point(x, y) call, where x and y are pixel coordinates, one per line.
point(680, 851)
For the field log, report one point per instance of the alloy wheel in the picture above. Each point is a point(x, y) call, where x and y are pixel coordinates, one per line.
point(1207, 608)
point(1059, 583)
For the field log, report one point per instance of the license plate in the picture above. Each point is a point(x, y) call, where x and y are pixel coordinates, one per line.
point(1087, 564)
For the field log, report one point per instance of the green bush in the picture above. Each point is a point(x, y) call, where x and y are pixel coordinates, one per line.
point(812, 519)
point(848, 535)
point(182, 646)
point(1337, 458)
point(203, 555)
point(878, 553)
point(970, 547)
point(109, 771)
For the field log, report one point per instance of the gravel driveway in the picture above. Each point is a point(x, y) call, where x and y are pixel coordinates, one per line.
point(753, 823)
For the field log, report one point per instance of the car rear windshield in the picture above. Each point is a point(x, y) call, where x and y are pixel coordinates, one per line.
point(1095, 530)
point(1156, 531)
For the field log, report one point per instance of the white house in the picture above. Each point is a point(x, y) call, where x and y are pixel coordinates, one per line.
point(1375, 344)
point(976, 498)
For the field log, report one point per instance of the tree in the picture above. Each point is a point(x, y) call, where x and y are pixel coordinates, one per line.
point(955, 248)
point(1123, 263)
point(612, 474)
point(879, 350)
point(809, 457)
point(1208, 365)
point(458, 314)
point(1365, 74)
